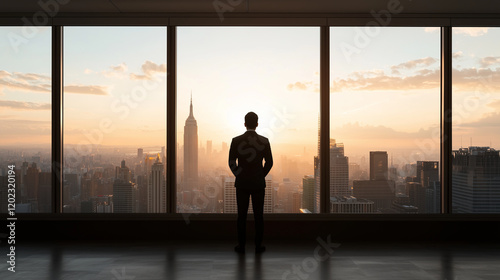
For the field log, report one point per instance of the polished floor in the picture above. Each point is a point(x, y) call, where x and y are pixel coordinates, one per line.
point(316, 259)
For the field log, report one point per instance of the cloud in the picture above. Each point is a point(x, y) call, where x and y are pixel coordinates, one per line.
point(474, 79)
point(423, 80)
point(489, 60)
point(117, 71)
point(431, 29)
point(24, 81)
point(122, 67)
point(303, 86)
point(422, 75)
point(83, 89)
point(457, 55)
point(414, 63)
point(149, 69)
point(19, 105)
point(495, 104)
point(471, 31)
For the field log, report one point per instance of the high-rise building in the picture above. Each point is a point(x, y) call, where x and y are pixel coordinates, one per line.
point(350, 205)
point(427, 172)
point(381, 192)
point(339, 170)
point(417, 195)
point(317, 186)
point(433, 198)
point(140, 153)
point(190, 151)
point(123, 191)
point(157, 193)
point(230, 205)
point(379, 165)
point(476, 180)
point(308, 193)
point(123, 172)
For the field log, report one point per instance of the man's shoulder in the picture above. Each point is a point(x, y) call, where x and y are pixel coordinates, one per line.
point(245, 136)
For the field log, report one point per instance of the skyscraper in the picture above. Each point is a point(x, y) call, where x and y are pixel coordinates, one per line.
point(123, 191)
point(427, 172)
point(308, 193)
point(157, 188)
point(190, 150)
point(339, 170)
point(476, 180)
point(379, 166)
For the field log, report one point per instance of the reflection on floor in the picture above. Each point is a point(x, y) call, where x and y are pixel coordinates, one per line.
point(282, 260)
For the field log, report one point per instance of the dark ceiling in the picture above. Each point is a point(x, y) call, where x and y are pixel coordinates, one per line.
point(253, 6)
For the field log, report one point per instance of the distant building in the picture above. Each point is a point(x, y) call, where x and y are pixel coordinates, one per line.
point(378, 189)
point(427, 172)
point(379, 165)
point(190, 151)
point(339, 173)
point(308, 193)
point(476, 180)
point(123, 197)
point(417, 195)
point(157, 192)
point(402, 204)
point(339, 170)
point(350, 205)
point(381, 192)
point(123, 191)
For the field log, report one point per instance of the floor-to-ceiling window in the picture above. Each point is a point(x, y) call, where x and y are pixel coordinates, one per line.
point(25, 119)
point(224, 73)
point(114, 120)
point(384, 120)
point(476, 120)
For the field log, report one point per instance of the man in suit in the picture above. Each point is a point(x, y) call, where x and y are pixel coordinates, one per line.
point(245, 160)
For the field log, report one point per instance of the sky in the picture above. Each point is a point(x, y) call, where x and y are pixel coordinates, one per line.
point(384, 86)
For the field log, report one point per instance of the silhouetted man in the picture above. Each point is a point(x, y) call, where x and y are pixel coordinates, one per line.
point(245, 160)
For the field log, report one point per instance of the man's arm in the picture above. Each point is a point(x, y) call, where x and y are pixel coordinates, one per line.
point(232, 159)
point(268, 157)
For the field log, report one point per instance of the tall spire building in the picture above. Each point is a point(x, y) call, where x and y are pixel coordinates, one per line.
point(190, 150)
point(157, 188)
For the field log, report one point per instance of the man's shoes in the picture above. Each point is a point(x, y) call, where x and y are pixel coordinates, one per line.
point(260, 249)
point(239, 249)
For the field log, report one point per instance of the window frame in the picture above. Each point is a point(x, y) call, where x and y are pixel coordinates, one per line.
point(324, 22)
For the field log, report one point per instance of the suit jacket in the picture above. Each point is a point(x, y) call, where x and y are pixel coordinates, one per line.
point(245, 160)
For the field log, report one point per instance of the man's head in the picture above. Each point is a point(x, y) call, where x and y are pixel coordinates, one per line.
point(251, 120)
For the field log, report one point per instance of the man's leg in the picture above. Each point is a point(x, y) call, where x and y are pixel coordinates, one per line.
point(242, 200)
point(258, 212)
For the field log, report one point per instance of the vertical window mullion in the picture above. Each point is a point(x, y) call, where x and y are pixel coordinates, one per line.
point(325, 119)
point(171, 119)
point(57, 118)
point(446, 118)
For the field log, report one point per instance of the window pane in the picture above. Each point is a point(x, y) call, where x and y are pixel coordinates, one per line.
point(25, 117)
point(225, 72)
point(114, 119)
point(476, 120)
point(384, 120)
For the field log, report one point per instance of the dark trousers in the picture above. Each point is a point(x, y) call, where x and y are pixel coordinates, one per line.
point(243, 200)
